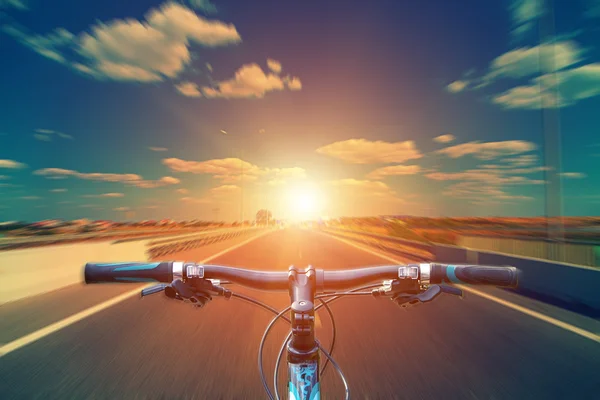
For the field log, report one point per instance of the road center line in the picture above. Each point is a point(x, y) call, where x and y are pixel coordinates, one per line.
point(506, 303)
point(56, 326)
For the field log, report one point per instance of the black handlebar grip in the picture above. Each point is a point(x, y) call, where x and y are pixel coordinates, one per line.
point(129, 272)
point(474, 275)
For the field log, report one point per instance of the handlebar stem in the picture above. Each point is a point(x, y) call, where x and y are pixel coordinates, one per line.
point(302, 287)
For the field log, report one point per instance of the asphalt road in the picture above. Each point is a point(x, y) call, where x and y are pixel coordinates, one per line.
point(470, 348)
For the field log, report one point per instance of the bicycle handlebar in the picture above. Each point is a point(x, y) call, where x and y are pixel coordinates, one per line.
point(279, 280)
point(474, 275)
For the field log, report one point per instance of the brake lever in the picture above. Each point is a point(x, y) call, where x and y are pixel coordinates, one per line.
point(452, 290)
point(405, 300)
point(198, 292)
point(153, 289)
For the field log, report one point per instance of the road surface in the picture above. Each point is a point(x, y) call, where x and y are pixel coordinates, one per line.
point(156, 348)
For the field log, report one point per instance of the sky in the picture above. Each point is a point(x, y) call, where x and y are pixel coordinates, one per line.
point(213, 109)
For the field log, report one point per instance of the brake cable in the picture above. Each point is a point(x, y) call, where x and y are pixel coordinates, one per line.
point(281, 315)
point(287, 339)
point(324, 303)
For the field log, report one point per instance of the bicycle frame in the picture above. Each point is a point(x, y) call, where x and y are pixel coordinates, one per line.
point(302, 349)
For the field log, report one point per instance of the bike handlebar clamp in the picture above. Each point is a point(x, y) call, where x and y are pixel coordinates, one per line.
point(302, 288)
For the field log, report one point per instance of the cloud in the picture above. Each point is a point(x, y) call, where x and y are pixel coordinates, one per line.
point(250, 81)
point(573, 175)
point(18, 4)
point(230, 170)
point(30, 198)
point(293, 83)
point(488, 150)
point(363, 151)
point(12, 164)
point(487, 176)
point(224, 190)
point(46, 135)
point(193, 200)
point(365, 184)
point(562, 89)
point(522, 160)
point(380, 173)
point(108, 195)
point(183, 191)
point(3, 177)
point(50, 46)
point(204, 5)
point(154, 49)
point(219, 168)
point(286, 173)
point(457, 86)
point(58, 190)
point(131, 50)
point(447, 138)
point(261, 131)
point(120, 208)
point(480, 192)
point(158, 148)
point(164, 181)
point(274, 65)
point(188, 89)
point(43, 138)
point(129, 179)
point(525, 61)
point(524, 14)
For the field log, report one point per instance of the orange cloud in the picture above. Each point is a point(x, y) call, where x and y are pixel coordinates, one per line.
point(250, 81)
point(394, 170)
point(363, 151)
point(230, 170)
point(130, 179)
point(488, 150)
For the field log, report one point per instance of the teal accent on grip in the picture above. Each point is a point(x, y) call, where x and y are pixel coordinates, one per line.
point(451, 274)
point(111, 264)
point(123, 278)
point(137, 267)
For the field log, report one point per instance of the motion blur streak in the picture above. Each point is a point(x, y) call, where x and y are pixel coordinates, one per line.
point(161, 349)
point(32, 337)
point(524, 310)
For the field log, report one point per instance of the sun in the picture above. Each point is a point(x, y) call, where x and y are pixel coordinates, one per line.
point(303, 201)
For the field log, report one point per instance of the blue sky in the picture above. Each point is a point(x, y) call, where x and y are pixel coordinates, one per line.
point(149, 109)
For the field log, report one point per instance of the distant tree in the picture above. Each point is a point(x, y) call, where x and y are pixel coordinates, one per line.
point(263, 217)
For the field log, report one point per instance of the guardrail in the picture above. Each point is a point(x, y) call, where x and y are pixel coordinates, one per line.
point(570, 286)
point(19, 242)
point(175, 245)
point(580, 253)
point(37, 270)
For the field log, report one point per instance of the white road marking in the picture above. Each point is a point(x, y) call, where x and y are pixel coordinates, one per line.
point(571, 328)
point(40, 333)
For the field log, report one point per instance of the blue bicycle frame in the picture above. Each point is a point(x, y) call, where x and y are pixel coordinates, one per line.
point(302, 349)
point(304, 381)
